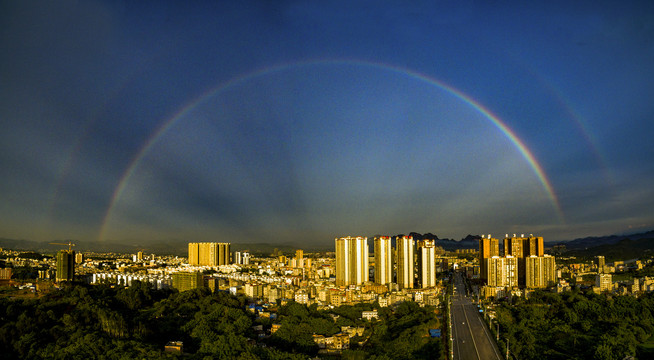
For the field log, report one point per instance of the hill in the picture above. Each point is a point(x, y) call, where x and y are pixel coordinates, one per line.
point(589, 242)
point(624, 249)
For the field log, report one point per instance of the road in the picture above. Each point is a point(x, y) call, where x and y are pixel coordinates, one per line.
point(472, 340)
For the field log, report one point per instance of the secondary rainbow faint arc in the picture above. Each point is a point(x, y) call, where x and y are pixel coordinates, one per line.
point(522, 148)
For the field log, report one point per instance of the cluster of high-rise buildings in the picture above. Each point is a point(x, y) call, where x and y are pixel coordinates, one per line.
point(523, 264)
point(409, 263)
point(209, 254)
point(199, 254)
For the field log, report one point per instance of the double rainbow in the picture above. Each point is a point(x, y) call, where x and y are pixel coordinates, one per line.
point(499, 124)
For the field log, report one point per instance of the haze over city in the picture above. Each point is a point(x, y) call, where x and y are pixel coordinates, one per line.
point(298, 122)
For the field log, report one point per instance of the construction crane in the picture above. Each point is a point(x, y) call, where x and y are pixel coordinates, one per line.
point(70, 245)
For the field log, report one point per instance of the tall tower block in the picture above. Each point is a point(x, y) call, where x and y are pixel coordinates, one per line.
point(209, 254)
point(488, 247)
point(351, 260)
point(535, 246)
point(404, 249)
point(65, 265)
point(427, 263)
point(383, 260)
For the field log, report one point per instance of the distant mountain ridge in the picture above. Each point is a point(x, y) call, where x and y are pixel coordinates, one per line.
point(180, 247)
point(468, 242)
point(594, 241)
point(170, 247)
point(162, 248)
point(624, 249)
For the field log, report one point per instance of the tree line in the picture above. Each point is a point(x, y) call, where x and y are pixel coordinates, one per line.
point(104, 322)
point(577, 325)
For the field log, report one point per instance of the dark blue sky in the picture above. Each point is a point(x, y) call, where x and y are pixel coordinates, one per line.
point(294, 121)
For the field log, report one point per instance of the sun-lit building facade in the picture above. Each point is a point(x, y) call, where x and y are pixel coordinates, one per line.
point(426, 263)
point(502, 271)
point(488, 248)
point(209, 254)
point(604, 282)
point(383, 260)
point(404, 249)
point(351, 260)
point(540, 271)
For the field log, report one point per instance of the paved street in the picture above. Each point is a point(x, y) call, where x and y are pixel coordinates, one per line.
point(471, 337)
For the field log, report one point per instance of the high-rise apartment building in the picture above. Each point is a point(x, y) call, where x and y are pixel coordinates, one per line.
point(224, 253)
point(209, 254)
point(604, 282)
point(404, 248)
point(540, 271)
point(426, 263)
point(513, 246)
point(383, 260)
point(535, 246)
point(351, 260)
point(299, 257)
point(601, 262)
point(194, 253)
point(183, 281)
point(65, 265)
point(502, 271)
point(241, 258)
point(523, 247)
point(488, 247)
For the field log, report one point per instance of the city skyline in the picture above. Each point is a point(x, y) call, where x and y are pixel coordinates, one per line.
point(312, 298)
point(296, 122)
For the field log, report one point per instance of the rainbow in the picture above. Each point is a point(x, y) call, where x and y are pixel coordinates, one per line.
point(499, 124)
point(577, 118)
